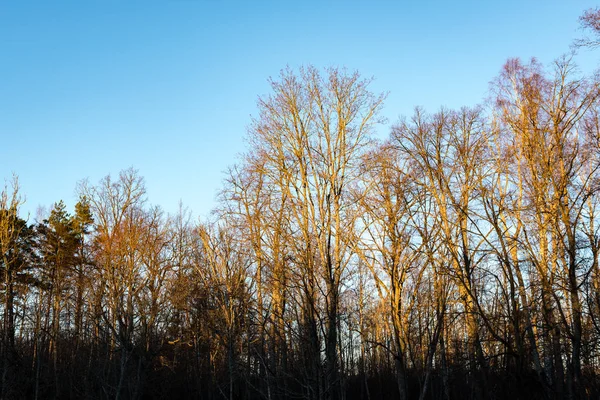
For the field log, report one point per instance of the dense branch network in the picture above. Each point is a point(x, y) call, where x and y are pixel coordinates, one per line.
point(458, 258)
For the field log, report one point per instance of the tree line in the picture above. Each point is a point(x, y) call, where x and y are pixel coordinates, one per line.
point(457, 258)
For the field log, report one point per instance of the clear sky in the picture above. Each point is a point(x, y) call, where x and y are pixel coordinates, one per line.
point(91, 87)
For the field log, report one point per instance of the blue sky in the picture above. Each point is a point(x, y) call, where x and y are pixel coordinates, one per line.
point(168, 87)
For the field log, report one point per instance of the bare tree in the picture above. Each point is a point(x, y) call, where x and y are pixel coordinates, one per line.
point(116, 206)
point(14, 237)
point(449, 150)
point(225, 274)
point(313, 129)
point(590, 24)
point(388, 246)
point(557, 168)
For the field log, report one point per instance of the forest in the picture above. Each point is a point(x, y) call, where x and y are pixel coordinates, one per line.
point(456, 259)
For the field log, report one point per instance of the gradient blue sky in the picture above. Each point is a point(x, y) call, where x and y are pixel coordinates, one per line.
point(89, 88)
